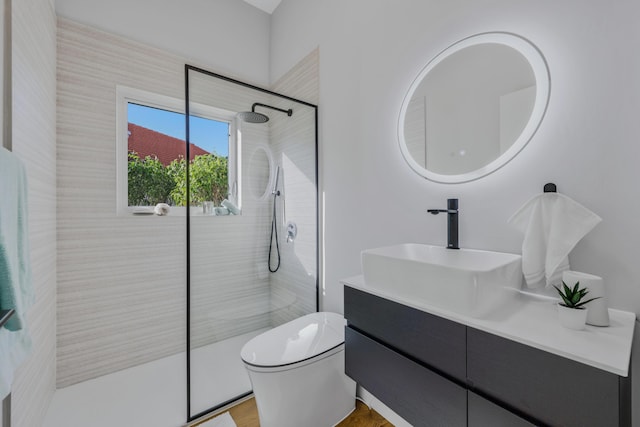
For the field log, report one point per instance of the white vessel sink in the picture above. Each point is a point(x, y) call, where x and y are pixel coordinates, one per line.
point(467, 281)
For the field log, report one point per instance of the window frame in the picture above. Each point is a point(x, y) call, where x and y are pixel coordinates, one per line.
point(126, 95)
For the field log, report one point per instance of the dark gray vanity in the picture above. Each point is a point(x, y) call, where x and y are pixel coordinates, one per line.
point(437, 372)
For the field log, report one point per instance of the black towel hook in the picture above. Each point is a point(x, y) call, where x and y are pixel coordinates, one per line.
point(550, 188)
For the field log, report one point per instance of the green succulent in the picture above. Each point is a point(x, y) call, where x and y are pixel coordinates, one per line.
point(572, 298)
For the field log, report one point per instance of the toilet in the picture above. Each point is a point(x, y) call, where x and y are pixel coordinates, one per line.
point(297, 373)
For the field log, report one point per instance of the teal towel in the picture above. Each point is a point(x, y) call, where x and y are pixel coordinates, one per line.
point(16, 290)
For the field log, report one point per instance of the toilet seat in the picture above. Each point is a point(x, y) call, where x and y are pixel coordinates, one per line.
point(296, 343)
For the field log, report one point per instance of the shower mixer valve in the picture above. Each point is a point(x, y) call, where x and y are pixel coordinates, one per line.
point(292, 231)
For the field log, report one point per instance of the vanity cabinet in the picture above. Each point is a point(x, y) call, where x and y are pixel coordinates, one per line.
point(431, 340)
point(417, 393)
point(550, 388)
point(483, 413)
point(437, 372)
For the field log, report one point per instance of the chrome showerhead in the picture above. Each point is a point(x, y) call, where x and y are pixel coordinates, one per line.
point(253, 117)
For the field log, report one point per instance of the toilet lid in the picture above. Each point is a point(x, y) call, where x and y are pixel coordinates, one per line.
point(295, 341)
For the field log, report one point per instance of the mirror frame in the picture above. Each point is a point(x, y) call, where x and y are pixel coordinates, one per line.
point(543, 91)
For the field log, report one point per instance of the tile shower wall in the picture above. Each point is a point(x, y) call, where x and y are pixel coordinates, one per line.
point(121, 280)
point(295, 151)
point(34, 141)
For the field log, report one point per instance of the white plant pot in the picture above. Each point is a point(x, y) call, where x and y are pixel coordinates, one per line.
point(572, 318)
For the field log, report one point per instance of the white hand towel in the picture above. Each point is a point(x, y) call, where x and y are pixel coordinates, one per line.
point(552, 225)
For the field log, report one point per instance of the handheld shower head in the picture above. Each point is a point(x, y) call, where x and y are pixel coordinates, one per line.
point(274, 225)
point(275, 190)
point(254, 117)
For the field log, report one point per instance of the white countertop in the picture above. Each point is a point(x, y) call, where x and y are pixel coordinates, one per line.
point(534, 322)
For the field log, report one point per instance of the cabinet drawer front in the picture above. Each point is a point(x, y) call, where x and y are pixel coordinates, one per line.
point(420, 396)
point(555, 390)
point(434, 341)
point(483, 413)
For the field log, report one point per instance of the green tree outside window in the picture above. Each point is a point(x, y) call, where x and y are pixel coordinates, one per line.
point(150, 182)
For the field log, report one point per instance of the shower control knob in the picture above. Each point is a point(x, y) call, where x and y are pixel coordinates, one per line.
point(292, 231)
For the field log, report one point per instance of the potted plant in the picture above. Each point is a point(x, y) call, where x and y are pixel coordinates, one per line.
point(571, 310)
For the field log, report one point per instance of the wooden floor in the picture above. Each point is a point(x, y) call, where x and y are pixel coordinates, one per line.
point(245, 414)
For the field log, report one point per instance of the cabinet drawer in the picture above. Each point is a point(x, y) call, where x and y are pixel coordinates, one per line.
point(420, 396)
point(483, 413)
point(552, 389)
point(434, 341)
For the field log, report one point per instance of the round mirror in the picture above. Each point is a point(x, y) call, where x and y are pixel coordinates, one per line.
point(473, 107)
point(260, 172)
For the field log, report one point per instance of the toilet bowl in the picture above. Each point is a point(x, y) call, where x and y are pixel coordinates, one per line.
point(297, 373)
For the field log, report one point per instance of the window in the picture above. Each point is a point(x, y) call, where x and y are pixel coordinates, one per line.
point(152, 150)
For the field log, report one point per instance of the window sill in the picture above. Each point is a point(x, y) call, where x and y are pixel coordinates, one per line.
point(179, 211)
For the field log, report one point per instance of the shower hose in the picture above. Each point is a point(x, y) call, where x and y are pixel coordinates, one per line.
point(274, 232)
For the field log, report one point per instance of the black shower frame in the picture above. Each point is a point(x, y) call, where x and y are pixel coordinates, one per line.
point(188, 68)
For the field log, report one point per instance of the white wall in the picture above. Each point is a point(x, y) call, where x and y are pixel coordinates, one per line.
point(587, 143)
point(228, 36)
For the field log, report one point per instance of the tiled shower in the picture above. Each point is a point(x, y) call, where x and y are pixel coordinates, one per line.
point(122, 280)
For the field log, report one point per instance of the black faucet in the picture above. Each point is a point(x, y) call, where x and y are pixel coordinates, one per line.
point(452, 222)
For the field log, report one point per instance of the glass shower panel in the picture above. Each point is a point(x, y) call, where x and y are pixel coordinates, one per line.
point(233, 295)
point(293, 286)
